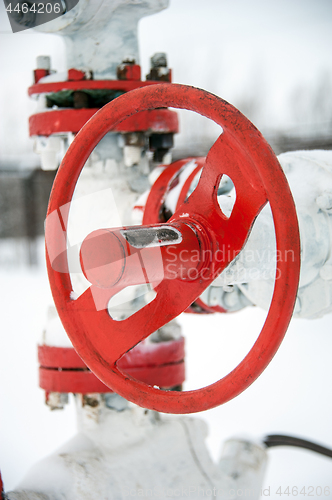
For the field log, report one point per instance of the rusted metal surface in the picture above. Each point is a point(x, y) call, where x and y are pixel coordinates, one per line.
point(128, 70)
point(159, 70)
point(241, 153)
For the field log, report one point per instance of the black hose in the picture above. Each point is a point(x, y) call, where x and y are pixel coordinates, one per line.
point(281, 440)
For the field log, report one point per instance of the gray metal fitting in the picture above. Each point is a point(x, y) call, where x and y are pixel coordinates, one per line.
point(159, 60)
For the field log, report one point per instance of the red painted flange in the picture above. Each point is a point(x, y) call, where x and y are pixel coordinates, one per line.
point(85, 382)
point(72, 120)
point(124, 85)
point(62, 370)
point(242, 154)
point(142, 356)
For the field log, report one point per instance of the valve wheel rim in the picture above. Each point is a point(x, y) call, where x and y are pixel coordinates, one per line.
point(268, 172)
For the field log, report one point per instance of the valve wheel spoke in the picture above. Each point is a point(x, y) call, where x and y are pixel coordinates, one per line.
point(231, 232)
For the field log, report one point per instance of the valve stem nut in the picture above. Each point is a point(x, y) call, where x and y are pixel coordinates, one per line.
point(56, 400)
point(128, 69)
point(43, 69)
point(159, 70)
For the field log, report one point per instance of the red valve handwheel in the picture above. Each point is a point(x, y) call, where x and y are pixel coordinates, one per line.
point(241, 153)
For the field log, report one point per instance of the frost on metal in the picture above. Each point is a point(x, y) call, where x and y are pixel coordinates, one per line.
point(99, 34)
point(133, 453)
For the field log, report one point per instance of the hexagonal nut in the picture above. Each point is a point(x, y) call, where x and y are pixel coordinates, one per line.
point(159, 60)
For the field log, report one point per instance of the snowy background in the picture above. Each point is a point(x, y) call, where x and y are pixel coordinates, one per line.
point(272, 59)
